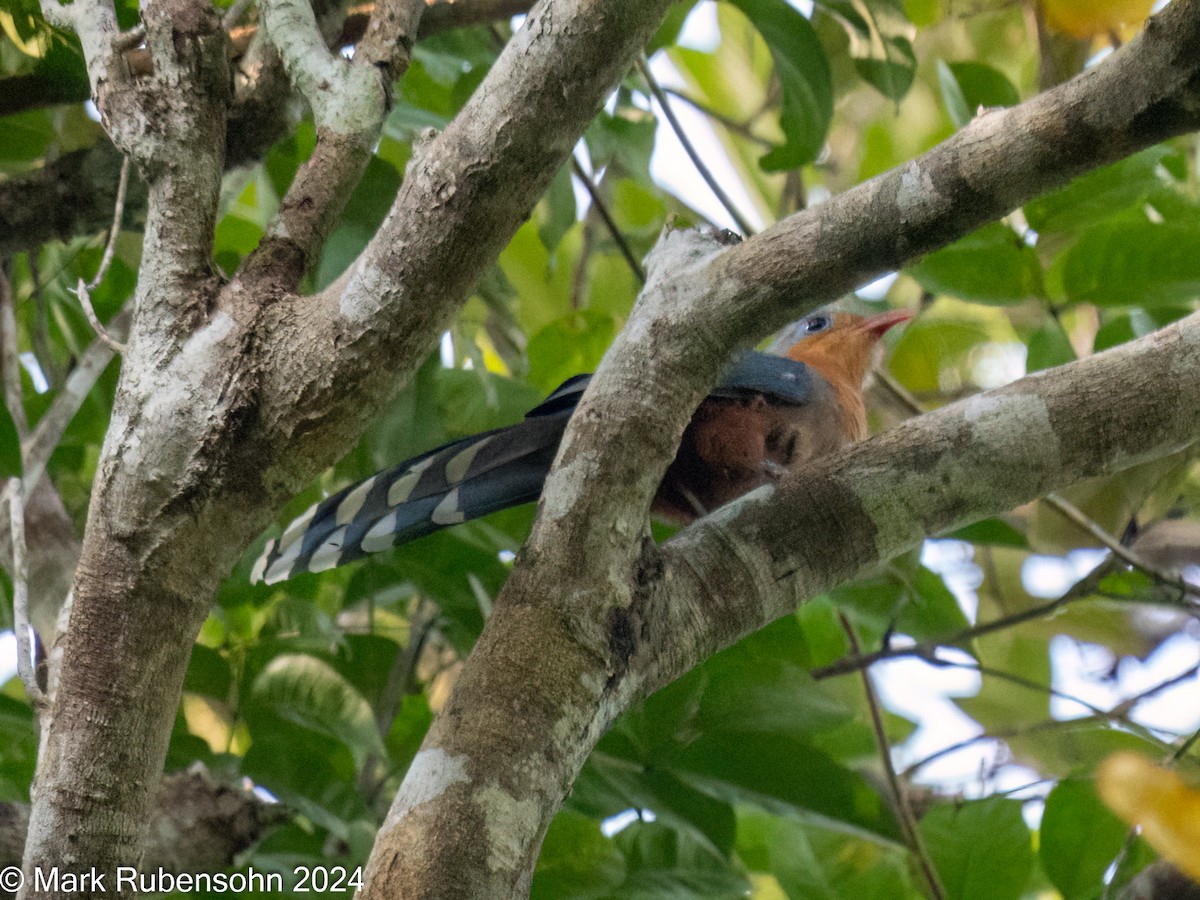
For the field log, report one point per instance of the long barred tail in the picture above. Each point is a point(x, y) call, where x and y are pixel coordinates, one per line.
point(454, 483)
point(476, 476)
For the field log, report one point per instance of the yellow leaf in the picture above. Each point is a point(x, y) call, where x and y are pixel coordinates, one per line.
point(1157, 800)
point(1096, 18)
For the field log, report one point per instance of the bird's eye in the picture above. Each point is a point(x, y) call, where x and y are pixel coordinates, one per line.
point(813, 324)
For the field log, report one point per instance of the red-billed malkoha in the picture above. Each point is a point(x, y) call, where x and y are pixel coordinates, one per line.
point(768, 415)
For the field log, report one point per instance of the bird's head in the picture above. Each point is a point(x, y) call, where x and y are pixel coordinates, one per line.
point(838, 345)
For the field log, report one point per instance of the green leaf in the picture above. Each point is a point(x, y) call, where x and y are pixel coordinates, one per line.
point(408, 729)
point(764, 768)
point(914, 600)
point(923, 12)
point(309, 692)
point(803, 72)
point(848, 14)
point(1139, 263)
point(208, 673)
point(1137, 587)
point(990, 265)
point(365, 660)
point(18, 750)
point(610, 784)
point(472, 401)
point(364, 213)
point(10, 446)
point(818, 860)
point(1125, 326)
point(966, 86)
point(569, 346)
point(664, 864)
point(996, 532)
point(672, 24)
point(761, 684)
point(981, 848)
point(893, 75)
point(235, 237)
point(1080, 838)
point(556, 211)
point(929, 609)
point(624, 140)
point(25, 136)
point(576, 860)
point(1048, 346)
point(1098, 195)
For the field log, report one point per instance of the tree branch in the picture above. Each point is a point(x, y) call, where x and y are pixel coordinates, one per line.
point(465, 193)
point(349, 101)
point(594, 616)
point(560, 658)
point(230, 401)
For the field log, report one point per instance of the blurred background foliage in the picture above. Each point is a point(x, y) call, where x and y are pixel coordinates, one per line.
point(760, 772)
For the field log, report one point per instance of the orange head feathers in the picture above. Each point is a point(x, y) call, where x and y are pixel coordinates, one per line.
point(838, 346)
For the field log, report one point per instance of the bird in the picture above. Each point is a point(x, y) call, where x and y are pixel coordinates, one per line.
point(771, 413)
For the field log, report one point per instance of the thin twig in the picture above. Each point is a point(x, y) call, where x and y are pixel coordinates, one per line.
point(587, 244)
point(10, 359)
point(39, 333)
point(601, 208)
point(593, 190)
point(927, 650)
point(1119, 862)
point(665, 104)
point(904, 814)
point(1020, 681)
point(1126, 706)
point(85, 300)
point(899, 391)
point(26, 666)
point(739, 128)
point(118, 215)
point(1168, 762)
point(1117, 713)
point(997, 736)
point(36, 450)
point(400, 678)
point(1185, 746)
point(1074, 514)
